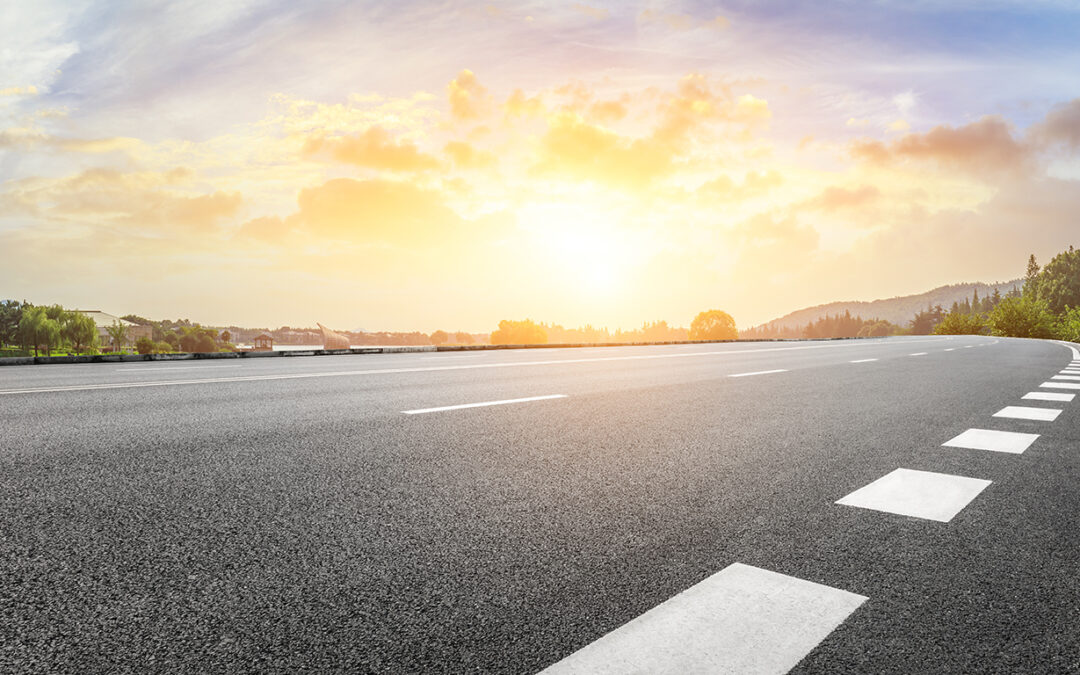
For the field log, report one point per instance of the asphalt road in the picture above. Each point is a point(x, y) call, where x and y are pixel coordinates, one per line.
point(286, 515)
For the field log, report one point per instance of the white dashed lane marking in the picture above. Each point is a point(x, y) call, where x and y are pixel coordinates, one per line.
point(988, 439)
point(759, 372)
point(918, 354)
point(951, 349)
point(1065, 377)
point(482, 405)
point(1048, 396)
point(1060, 385)
point(862, 360)
point(162, 369)
point(742, 619)
point(1024, 413)
point(920, 494)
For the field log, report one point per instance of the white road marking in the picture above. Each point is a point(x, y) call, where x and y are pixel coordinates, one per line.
point(951, 349)
point(921, 494)
point(483, 404)
point(1065, 377)
point(1019, 412)
point(451, 356)
point(862, 360)
point(161, 369)
point(742, 619)
point(968, 346)
point(918, 354)
point(989, 439)
point(1060, 385)
point(1075, 353)
point(1071, 371)
point(759, 372)
point(426, 369)
point(1048, 396)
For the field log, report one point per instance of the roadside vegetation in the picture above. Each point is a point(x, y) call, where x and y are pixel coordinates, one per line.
point(1048, 306)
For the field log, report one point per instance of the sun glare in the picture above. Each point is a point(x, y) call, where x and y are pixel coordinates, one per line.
point(582, 244)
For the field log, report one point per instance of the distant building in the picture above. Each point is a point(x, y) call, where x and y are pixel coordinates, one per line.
point(103, 321)
point(263, 343)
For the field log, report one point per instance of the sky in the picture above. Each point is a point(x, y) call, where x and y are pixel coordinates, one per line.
point(404, 165)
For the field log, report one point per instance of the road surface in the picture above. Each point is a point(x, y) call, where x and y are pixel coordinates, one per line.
point(753, 507)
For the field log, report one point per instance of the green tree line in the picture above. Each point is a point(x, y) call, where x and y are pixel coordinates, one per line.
point(1048, 306)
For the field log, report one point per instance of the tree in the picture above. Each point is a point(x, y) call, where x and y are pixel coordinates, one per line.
point(144, 345)
point(11, 312)
point(713, 325)
point(80, 331)
point(117, 333)
point(172, 340)
point(1058, 283)
point(189, 338)
point(1032, 274)
point(924, 322)
point(524, 332)
point(880, 328)
point(30, 327)
point(439, 337)
point(958, 323)
point(226, 336)
point(205, 343)
point(463, 338)
point(1021, 317)
point(1068, 325)
point(49, 335)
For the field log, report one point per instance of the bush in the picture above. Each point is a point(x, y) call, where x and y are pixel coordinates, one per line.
point(163, 347)
point(1021, 317)
point(1068, 325)
point(958, 323)
point(144, 345)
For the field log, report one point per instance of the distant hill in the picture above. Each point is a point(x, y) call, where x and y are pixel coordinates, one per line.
point(899, 310)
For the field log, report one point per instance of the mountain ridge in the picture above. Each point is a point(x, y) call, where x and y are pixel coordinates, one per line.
point(898, 309)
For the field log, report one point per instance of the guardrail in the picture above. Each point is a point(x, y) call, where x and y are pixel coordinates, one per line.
point(388, 349)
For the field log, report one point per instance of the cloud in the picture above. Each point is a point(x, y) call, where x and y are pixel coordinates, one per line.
point(834, 198)
point(468, 99)
point(375, 148)
point(574, 148)
point(754, 184)
point(465, 156)
point(592, 12)
point(29, 90)
point(134, 201)
point(681, 22)
point(519, 105)
point(1061, 125)
point(695, 102)
point(986, 145)
point(28, 138)
point(606, 112)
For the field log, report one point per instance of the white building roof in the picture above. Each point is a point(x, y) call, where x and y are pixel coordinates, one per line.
point(102, 319)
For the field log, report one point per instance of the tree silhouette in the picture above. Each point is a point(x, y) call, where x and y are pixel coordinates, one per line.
point(713, 324)
point(524, 332)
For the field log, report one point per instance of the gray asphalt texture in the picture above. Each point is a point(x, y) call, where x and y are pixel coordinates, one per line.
point(307, 525)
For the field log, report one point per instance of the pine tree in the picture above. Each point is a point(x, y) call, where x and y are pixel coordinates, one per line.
point(1031, 276)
